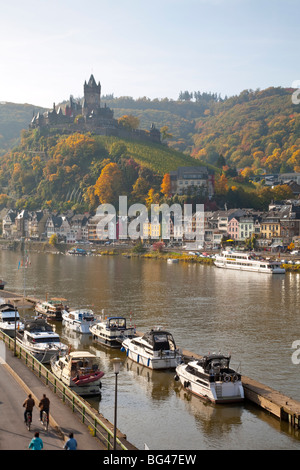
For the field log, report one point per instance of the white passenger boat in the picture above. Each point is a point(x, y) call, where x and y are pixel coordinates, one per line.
point(111, 331)
point(247, 262)
point(155, 349)
point(78, 320)
point(211, 378)
point(39, 339)
point(10, 321)
point(50, 309)
point(78, 370)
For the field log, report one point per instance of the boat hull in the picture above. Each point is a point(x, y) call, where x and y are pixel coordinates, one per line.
point(43, 356)
point(165, 362)
point(83, 328)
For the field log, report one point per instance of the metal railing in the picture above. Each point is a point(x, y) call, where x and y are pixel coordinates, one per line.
point(90, 418)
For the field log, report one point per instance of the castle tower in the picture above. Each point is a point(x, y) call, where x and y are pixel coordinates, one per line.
point(91, 101)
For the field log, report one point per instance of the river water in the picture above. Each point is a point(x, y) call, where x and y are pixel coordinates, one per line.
point(255, 317)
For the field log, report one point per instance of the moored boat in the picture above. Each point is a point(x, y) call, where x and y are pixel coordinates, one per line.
point(111, 331)
point(50, 309)
point(79, 371)
point(211, 378)
point(247, 262)
point(78, 320)
point(39, 339)
point(156, 349)
point(10, 321)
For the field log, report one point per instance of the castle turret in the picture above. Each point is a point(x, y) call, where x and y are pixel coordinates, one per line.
point(91, 102)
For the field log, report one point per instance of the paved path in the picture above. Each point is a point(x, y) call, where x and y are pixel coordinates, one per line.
point(16, 381)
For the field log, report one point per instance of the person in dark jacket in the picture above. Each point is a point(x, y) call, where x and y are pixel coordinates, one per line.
point(28, 404)
point(44, 405)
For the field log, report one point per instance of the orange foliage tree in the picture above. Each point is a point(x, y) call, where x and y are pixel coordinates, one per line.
point(108, 186)
point(166, 185)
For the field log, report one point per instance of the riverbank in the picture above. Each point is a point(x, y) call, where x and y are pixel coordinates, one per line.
point(126, 251)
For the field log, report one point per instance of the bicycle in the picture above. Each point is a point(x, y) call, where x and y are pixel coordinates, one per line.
point(45, 420)
point(28, 420)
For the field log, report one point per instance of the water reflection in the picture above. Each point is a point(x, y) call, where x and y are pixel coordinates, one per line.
point(255, 317)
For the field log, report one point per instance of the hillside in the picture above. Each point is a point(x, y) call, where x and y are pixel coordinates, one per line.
point(80, 171)
point(13, 118)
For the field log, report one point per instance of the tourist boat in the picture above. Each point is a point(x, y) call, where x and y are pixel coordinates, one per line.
point(111, 331)
point(39, 339)
point(78, 320)
point(79, 371)
point(247, 262)
point(211, 378)
point(156, 349)
point(50, 309)
point(10, 321)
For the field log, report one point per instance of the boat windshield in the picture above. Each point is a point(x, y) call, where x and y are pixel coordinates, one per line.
point(47, 339)
point(116, 323)
point(160, 340)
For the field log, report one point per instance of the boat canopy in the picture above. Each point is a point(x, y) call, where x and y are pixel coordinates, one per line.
point(160, 340)
point(213, 361)
point(38, 324)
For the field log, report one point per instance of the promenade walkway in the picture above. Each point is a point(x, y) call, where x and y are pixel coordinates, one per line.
point(17, 380)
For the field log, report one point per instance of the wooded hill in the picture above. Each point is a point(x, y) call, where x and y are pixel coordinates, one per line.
point(255, 132)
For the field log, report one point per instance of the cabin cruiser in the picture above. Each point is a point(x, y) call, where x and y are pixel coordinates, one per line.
point(78, 320)
point(247, 262)
point(9, 318)
point(211, 378)
point(79, 371)
point(50, 309)
point(39, 339)
point(111, 331)
point(155, 349)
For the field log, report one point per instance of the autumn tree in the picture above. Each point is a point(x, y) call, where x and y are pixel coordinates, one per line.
point(108, 186)
point(129, 122)
point(140, 189)
point(166, 185)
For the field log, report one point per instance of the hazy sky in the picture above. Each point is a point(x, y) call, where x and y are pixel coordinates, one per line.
point(137, 48)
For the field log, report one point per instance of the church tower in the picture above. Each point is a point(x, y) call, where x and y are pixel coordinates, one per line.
point(91, 101)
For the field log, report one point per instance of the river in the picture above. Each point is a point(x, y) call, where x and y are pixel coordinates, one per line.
point(255, 317)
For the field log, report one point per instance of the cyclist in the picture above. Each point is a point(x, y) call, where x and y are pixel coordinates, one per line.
point(28, 404)
point(44, 405)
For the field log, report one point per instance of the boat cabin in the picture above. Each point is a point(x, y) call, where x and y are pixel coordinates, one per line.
point(79, 364)
point(118, 323)
point(160, 340)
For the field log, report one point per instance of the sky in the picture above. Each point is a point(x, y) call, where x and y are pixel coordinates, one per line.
point(140, 48)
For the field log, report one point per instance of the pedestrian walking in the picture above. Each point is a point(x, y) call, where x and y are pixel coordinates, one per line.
point(71, 443)
point(36, 442)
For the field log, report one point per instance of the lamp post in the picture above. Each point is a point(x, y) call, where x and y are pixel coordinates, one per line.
point(116, 366)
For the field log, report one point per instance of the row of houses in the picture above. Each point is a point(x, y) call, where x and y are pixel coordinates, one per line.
point(279, 226)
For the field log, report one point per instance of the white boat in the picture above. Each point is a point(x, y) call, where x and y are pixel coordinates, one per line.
point(78, 320)
point(10, 321)
point(39, 339)
point(211, 378)
point(155, 349)
point(50, 309)
point(172, 260)
point(247, 262)
point(111, 331)
point(79, 371)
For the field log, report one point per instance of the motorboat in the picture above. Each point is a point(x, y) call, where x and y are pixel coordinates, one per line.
point(50, 309)
point(10, 321)
point(79, 371)
point(211, 378)
point(156, 349)
point(247, 262)
point(78, 320)
point(39, 339)
point(111, 331)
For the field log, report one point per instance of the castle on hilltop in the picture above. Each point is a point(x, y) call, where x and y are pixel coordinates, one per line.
point(88, 115)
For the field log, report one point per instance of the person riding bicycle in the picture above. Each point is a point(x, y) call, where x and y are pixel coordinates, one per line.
point(28, 404)
point(44, 405)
